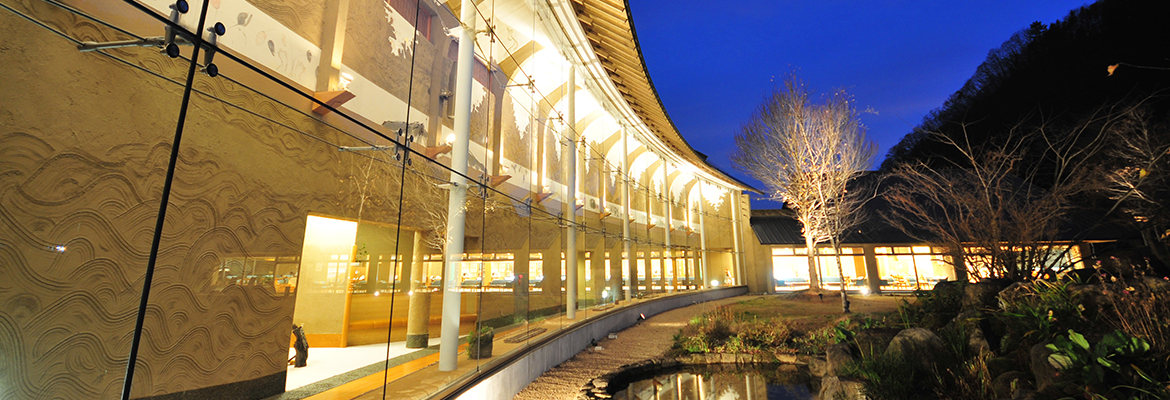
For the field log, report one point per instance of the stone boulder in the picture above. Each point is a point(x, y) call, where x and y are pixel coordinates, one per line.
point(834, 388)
point(1008, 384)
point(948, 289)
point(983, 294)
point(1087, 295)
point(838, 356)
point(1044, 373)
point(1014, 293)
point(1157, 285)
point(971, 323)
point(818, 366)
point(874, 340)
point(917, 344)
point(977, 343)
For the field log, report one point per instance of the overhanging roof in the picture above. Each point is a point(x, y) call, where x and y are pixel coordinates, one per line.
point(609, 27)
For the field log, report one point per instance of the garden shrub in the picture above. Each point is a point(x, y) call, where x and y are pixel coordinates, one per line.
point(891, 376)
point(721, 331)
point(1035, 312)
point(933, 308)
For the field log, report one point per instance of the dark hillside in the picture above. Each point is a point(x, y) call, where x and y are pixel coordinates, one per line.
point(1055, 75)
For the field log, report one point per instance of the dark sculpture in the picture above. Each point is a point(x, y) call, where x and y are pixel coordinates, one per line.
point(302, 347)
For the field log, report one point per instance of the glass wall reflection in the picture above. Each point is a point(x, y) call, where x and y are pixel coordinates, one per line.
point(306, 161)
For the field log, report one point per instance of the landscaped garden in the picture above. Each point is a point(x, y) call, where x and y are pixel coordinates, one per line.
point(1094, 334)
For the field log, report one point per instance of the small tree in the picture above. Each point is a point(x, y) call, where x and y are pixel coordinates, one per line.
point(806, 153)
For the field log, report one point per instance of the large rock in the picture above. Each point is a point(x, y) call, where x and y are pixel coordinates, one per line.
point(1014, 293)
point(874, 340)
point(984, 294)
point(917, 344)
point(1044, 373)
point(970, 323)
point(1009, 383)
point(1157, 285)
point(818, 366)
point(1087, 295)
point(977, 343)
point(834, 388)
point(838, 356)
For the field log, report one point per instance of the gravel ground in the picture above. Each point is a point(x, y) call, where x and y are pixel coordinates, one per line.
point(646, 340)
point(652, 338)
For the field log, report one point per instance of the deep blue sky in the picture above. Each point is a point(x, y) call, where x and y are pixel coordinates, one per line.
point(713, 61)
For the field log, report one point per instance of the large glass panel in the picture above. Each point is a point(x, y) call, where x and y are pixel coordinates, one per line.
point(852, 264)
point(897, 268)
point(279, 216)
point(85, 139)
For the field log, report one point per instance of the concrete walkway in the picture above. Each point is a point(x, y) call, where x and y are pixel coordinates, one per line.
point(649, 339)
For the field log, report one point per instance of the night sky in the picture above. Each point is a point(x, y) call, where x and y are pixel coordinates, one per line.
point(713, 61)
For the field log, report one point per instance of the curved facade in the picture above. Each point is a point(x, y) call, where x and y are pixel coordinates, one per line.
point(374, 171)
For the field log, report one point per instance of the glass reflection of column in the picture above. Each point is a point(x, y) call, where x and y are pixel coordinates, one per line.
point(628, 256)
point(703, 238)
point(667, 206)
point(570, 203)
point(741, 277)
point(699, 386)
point(747, 385)
point(449, 345)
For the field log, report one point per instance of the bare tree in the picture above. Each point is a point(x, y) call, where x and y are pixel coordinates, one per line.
point(1140, 185)
point(806, 153)
point(999, 212)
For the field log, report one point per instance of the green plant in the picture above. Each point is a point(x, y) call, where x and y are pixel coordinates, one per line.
point(932, 307)
point(692, 344)
point(722, 331)
point(1073, 356)
point(906, 315)
point(891, 376)
point(1134, 306)
point(1040, 311)
point(480, 338)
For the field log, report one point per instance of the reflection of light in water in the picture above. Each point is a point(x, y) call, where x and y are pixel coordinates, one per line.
point(722, 383)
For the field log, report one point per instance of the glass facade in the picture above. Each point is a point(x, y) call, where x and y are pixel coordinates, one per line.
point(181, 216)
point(904, 267)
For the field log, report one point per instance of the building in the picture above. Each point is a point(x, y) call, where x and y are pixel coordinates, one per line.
point(877, 256)
point(172, 203)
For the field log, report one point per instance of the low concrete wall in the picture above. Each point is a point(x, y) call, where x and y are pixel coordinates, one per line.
point(506, 381)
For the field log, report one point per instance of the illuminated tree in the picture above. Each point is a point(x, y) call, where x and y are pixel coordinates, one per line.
point(806, 153)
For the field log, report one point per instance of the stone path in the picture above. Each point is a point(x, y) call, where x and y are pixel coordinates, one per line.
point(649, 339)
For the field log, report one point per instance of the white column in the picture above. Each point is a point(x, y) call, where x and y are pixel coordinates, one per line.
point(570, 202)
point(703, 237)
point(667, 259)
point(456, 212)
point(690, 217)
point(628, 258)
point(736, 236)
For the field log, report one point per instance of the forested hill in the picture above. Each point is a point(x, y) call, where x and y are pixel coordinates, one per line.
point(1054, 75)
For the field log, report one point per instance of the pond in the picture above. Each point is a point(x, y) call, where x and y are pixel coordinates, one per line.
point(720, 382)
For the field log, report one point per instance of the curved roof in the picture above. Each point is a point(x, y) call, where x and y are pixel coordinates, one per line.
point(609, 27)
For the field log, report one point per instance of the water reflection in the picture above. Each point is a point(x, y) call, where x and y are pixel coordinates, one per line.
point(722, 383)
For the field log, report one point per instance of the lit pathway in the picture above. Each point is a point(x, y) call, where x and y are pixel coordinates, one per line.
point(647, 340)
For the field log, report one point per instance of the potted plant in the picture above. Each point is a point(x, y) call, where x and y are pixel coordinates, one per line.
point(479, 343)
